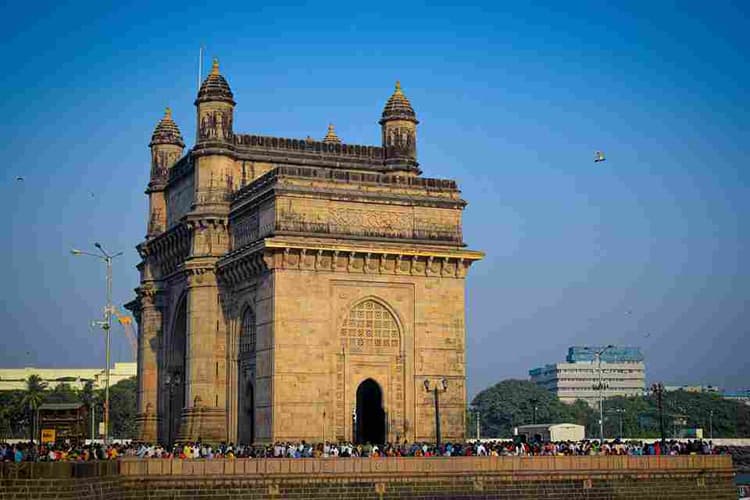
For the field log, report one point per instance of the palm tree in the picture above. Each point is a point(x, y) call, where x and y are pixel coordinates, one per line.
point(88, 397)
point(35, 388)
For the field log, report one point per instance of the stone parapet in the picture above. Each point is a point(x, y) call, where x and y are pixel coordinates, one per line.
point(513, 467)
point(606, 477)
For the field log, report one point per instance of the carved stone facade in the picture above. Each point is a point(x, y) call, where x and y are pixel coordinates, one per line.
point(298, 289)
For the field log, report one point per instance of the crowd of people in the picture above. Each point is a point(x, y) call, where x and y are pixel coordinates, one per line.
point(22, 452)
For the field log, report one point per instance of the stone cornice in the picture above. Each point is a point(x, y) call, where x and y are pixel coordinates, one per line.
point(297, 254)
point(424, 184)
point(167, 250)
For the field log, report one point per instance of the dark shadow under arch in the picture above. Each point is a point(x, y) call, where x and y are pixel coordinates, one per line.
point(370, 426)
point(175, 377)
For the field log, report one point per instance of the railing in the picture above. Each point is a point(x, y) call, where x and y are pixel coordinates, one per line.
point(308, 146)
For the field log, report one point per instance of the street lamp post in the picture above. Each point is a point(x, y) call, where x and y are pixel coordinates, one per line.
point(105, 325)
point(620, 412)
point(658, 390)
point(354, 425)
point(711, 424)
point(600, 387)
point(475, 411)
point(436, 389)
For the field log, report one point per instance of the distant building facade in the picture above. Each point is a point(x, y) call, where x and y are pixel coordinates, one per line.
point(623, 373)
point(741, 396)
point(298, 288)
point(14, 379)
point(693, 388)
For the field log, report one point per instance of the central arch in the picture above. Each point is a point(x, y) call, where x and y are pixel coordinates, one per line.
point(370, 427)
point(175, 377)
point(246, 378)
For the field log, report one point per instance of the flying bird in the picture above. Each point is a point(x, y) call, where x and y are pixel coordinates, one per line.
point(19, 178)
point(599, 157)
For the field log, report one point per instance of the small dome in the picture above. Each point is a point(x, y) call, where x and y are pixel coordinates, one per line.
point(331, 137)
point(167, 132)
point(398, 107)
point(215, 87)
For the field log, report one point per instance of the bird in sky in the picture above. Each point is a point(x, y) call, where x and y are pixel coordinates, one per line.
point(19, 178)
point(599, 157)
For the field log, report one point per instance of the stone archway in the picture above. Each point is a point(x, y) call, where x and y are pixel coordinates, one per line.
point(175, 376)
point(370, 413)
point(370, 337)
point(246, 431)
point(246, 378)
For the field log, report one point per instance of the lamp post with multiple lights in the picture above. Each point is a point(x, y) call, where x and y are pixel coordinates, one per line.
point(600, 386)
point(105, 325)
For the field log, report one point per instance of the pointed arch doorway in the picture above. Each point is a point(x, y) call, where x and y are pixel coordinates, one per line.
point(370, 425)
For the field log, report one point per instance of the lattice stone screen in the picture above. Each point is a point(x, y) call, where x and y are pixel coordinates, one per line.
point(370, 325)
point(247, 334)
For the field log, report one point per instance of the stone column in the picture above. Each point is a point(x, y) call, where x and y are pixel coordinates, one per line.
point(204, 417)
point(149, 338)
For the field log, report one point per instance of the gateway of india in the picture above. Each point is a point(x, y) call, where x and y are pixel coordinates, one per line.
point(297, 288)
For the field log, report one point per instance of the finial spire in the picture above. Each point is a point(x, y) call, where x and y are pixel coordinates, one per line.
point(168, 113)
point(331, 137)
point(215, 66)
point(398, 87)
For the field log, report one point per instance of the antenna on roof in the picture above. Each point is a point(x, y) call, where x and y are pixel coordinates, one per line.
point(200, 66)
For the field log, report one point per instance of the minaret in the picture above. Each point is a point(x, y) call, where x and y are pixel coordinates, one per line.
point(399, 126)
point(215, 103)
point(166, 148)
point(214, 140)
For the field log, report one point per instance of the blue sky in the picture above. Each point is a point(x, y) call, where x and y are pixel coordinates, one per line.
point(514, 98)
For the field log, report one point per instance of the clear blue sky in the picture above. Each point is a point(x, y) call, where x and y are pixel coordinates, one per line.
point(513, 102)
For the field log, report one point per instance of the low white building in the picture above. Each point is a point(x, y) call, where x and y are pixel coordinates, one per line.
point(551, 432)
point(12, 379)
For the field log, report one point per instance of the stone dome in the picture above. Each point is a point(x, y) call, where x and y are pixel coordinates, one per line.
point(215, 87)
point(398, 107)
point(167, 132)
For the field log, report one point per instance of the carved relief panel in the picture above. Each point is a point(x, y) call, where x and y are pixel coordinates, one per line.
point(215, 125)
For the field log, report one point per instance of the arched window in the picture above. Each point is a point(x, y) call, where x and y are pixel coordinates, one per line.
point(369, 325)
point(247, 333)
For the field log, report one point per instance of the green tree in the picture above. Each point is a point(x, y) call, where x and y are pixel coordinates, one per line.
point(122, 409)
point(511, 403)
point(15, 420)
point(62, 393)
point(33, 398)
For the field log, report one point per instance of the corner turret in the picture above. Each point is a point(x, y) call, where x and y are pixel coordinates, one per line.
point(399, 134)
point(215, 103)
point(166, 148)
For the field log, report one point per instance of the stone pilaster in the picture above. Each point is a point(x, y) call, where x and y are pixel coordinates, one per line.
point(204, 416)
point(149, 339)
